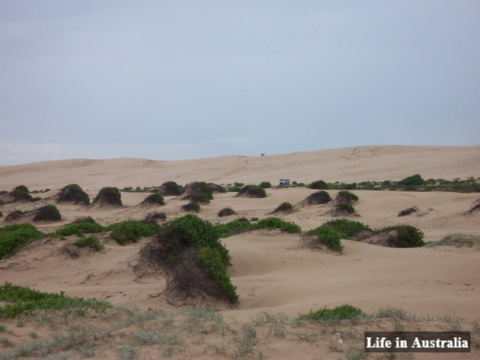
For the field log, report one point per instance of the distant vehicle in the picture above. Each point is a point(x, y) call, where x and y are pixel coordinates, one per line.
point(284, 181)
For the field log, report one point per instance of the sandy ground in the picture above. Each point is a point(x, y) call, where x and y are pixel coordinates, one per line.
point(273, 271)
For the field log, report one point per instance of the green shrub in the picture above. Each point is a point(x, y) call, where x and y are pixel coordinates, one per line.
point(285, 206)
point(319, 184)
point(80, 227)
point(91, 242)
point(343, 312)
point(319, 197)
point(154, 199)
point(328, 236)
point(190, 230)
point(346, 196)
point(14, 237)
point(348, 227)
point(346, 207)
point(414, 180)
point(409, 236)
point(198, 192)
point(21, 193)
point(47, 213)
point(131, 231)
point(74, 193)
point(252, 191)
point(226, 212)
point(108, 196)
point(192, 206)
point(265, 184)
point(211, 261)
point(271, 223)
point(171, 188)
point(233, 228)
point(24, 301)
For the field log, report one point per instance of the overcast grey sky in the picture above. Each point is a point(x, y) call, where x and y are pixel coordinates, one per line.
point(170, 80)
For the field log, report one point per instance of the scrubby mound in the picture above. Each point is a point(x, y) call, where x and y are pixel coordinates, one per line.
point(408, 211)
point(108, 196)
point(192, 206)
point(21, 194)
point(73, 193)
point(346, 197)
point(198, 192)
point(319, 197)
point(285, 207)
point(188, 249)
point(154, 217)
point(226, 212)
point(47, 213)
point(170, 188)
point(217, 188)
point(15, 215)
point(319, 185)
point(475, 208)
point(344, 208)
point(252, 191)
point(402, 236)
point(154, 199)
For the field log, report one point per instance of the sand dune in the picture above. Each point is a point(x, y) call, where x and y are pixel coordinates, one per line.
point(273, 271)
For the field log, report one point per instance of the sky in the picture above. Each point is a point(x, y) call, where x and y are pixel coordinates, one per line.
point(169, 80)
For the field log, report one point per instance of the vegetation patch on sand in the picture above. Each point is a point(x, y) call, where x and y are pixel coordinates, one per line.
point(47, 213)
point(226, 212)
point(130, 231)
point(192, 206)
point(91, 242)
point(73, 193)
point(252, 191)
point(14, 237)
point(198, 192)
point(171, 188)
point(457, 240)
point(79, 227)
point(343, 312)
point(154, 199)
point(108, 196)
point(318, 198)
point(284, 207)
point(195, 261)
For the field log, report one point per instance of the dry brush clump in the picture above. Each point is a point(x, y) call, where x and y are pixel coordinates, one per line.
point(318, 198)
point(154, 199)
point(199, 192)
point(252, 191)
point(226, 212)
point(170, 188)
point(73, 193)
point(108, 196)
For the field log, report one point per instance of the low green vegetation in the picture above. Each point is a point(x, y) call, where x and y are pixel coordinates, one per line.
point(80, 227)
point(73, 193)
point(21, 193)
point(346, 207)
point(108, 196)
point(24, 301)
point(14, 237)
point(328, 236)
point(192, 206)
point(348, 227)
point(457, 240)
point(319, 184)
point(318, 198)
point(254, 191)
point(408, 236)
point(235, 187)
point(234, 227)
point(130, 231)
point(171, 188)
point(343, 312)
point(91, 242)
point(346, 196)
point(271, 223)
point(284, 207)
point(199, 192)
point(265, 184)
point(154, 199)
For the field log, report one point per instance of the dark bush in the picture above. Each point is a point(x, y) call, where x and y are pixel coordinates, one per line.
point(346, 197)
point(284, 207)
point(192, 206)
point(130, 231)
point(319, 185)
point(233, 227)
point(154, 217)
point(153, 199)
point(408, 211)
point(73, 193)
point(171, 188)
point(226, 212)
point(198, 192)
point(217, 188)
point(15, 215)
point(328, 236)
point(265, 184)
point(14, 237)
point(319, 197)
point(414, 180)
point(253, 191)
point(79, 227)
point(346, 208)
point(21, 193)
point(409, 236)
point(108, 196)
point(47, 213)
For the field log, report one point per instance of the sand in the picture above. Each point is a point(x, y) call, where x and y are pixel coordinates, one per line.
point(273, 271)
